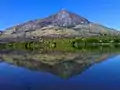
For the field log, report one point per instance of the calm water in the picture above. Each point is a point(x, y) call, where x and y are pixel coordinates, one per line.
point(94, 71)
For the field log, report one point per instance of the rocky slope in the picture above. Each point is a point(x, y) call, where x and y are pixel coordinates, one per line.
point(61, 24)
point(1, 32)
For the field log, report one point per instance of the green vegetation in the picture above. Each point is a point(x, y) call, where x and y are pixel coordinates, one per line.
point(64, 44)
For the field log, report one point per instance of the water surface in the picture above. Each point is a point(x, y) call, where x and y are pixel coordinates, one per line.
point(81, 71)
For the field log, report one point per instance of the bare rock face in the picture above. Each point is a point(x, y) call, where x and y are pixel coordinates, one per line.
point(1, 32)
point(66, 18)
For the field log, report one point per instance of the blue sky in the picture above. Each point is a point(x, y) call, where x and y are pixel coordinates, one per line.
point(105, 12)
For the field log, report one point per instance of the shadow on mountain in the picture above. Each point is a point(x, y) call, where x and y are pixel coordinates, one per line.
point(62, 64)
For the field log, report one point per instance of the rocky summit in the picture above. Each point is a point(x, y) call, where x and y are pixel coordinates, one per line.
point(62, 24)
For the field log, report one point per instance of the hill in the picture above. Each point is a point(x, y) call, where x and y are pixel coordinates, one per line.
point(62, 24)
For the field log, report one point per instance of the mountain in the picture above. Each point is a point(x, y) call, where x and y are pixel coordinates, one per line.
point(62, 24)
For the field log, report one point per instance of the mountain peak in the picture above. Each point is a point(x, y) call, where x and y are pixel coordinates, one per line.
point(63, 18)
point(73, 25)
point(63, 11)
point(67, 18)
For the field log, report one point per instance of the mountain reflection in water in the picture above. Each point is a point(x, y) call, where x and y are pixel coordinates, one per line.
point(62, 64)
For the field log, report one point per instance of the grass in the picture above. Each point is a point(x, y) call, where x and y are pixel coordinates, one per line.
point(64, 44)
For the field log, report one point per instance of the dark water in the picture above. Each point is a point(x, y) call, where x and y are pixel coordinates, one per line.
point(94, 71)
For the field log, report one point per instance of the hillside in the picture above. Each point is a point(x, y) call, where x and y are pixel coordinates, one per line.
point(62, 24)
